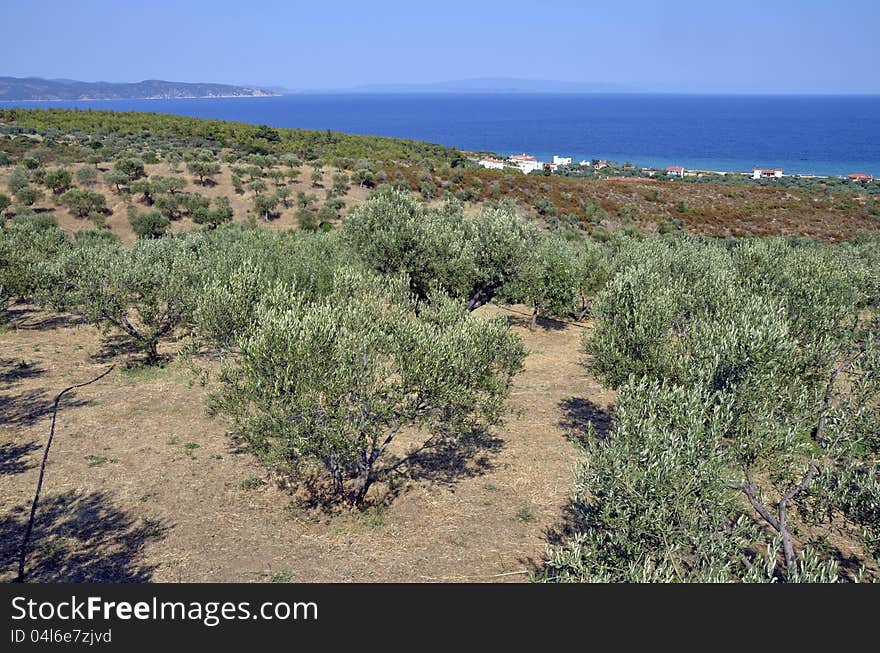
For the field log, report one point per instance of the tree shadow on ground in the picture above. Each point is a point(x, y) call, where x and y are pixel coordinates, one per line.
point(524, 320)
point(443, 461)
point(79, 538)
point(29, 317)
point(578, 516)
point(114, 346)
point(579, 413)
point(448, 460)
point(14, 457)
point(30, 406)
point(13, 371)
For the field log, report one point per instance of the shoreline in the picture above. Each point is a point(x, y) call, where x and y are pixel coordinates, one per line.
point(139, 99)
point(824, 169)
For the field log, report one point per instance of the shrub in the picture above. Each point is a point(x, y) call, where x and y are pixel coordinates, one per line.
point(25, 247)
point(367, 368)
point(470, 259)
point(58, 180)
point(762, 350)
point(142, 293)
point(151, 224)
point(83, 201)
point(29, 195)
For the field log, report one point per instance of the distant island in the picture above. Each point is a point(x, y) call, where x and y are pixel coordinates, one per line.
point(35, 89)
point(484, 85)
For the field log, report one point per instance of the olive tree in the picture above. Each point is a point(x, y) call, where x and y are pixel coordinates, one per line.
point(336, 380)
point(204, 170)
point(131, 167)
point(18, 179)
point(548, 280)
point(775, 344)
point(142, 293)
point(213, 218)
point(58, 180)
point(25, 249)
point(469, 258)
point(150, 224)
point(83, 201)
point(87, 176)
point(264, 205)
point(652, 504)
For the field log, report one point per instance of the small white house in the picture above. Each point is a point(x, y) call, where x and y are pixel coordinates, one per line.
point(526, 163)
point(493, 164)
point(675, 171)
point(561, 160)
point(775, 173)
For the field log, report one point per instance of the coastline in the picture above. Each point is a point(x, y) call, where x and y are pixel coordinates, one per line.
point(138, 99)
point(757, 134)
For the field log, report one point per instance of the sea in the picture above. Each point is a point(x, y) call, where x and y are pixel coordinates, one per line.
point(807, 135)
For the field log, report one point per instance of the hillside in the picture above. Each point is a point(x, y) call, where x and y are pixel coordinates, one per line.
point(349, 358)
point(35, 88)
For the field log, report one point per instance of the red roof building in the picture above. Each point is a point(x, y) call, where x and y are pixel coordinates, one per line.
point(860, 176)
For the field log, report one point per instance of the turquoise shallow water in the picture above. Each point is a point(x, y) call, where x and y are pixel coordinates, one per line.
point(827, 135)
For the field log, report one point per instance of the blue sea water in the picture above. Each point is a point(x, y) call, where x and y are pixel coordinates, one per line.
point(825, 135)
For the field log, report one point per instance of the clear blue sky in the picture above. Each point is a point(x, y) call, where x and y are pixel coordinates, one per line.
point(790, 46)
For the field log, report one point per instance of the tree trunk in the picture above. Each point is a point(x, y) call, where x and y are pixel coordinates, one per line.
point(363, 481)
point(150, 347)
point(534, 320)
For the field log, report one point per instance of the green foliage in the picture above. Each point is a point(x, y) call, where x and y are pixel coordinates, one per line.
point(264, 205)
point(204, 170)
point(151, 224)
point(367, 367)
point(87, 176)
point(143, 187)
point(25, 245)
point(18, 179)
point(83, 201)
point(58, 180)
point(469, 258)
point(172, 184)
point(221, 213)
point(548, 280)
point(303, 144)
point(117, 179)
point(28, 195)
point(142, 293)
point(749, 381)
point(130, 167)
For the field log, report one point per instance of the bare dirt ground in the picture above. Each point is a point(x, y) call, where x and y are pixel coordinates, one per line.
point(142, 486)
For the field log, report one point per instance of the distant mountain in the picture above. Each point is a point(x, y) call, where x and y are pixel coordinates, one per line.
point(493, 85)
point(35, 88)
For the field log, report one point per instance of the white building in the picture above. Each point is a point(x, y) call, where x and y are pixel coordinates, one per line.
point(675, 171)
point(561, 160)
point(758, 173)
point(489, 162)
point(526, 163)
